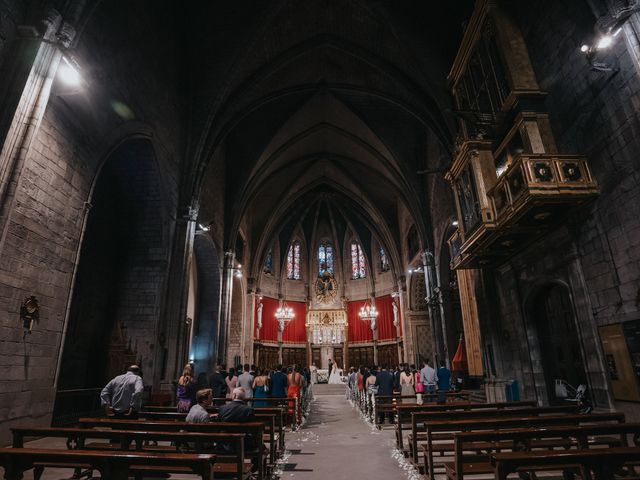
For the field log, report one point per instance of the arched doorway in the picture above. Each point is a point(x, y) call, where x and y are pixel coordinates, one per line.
point(560, 349)
point(119, 283)
point(204, 345)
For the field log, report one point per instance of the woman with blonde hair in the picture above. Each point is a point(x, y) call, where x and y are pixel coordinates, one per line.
point(186, 390)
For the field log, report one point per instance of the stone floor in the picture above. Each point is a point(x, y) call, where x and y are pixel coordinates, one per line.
point(334, 444)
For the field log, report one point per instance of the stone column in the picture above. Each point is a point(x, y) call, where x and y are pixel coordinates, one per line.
point(427, 265)
point(27, 74)
point(225, 310)
point(170, 355)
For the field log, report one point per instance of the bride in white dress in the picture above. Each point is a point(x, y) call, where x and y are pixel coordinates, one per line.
point(335, 377)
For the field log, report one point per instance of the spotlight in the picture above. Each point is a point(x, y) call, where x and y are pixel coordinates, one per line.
point(69, 73)
point(604, 42)
point(584, 48)
point(204, 228)
point(454, 223)
point(410, 271)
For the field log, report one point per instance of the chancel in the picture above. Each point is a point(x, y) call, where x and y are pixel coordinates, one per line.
point(319, 239)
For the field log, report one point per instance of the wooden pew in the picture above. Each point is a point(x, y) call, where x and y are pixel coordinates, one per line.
point(255, 429)
point(603, 462)
point(272, 418)
point(448, 428)
point(227, 465)
point(422, 418)
point(169, 413)
point(388, 403)
point(583, 436)
point(111, 465)
point(404, 413)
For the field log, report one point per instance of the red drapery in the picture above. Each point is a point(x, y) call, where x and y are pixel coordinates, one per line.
point(360, 330)
point(459, 362)
point(294, 331)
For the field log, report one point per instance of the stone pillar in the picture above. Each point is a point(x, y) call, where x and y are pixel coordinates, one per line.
point(225, 310)
point(427, 265)
point(170, 354)
point(27, 74)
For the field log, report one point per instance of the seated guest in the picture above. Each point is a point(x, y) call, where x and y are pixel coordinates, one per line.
point(237, 411)
point(199, 413)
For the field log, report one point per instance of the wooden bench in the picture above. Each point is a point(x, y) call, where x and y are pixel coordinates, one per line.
point(583, 436)
point(422, 418)
point(602, 462)
point(228, 464)
point(388, 403)
point(404, 413)
point(111, 465)
point(261, 412)
point(448, 428)
point(260, 455)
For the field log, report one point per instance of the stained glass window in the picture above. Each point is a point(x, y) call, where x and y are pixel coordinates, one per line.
point(357, 261)
point(325, 258)
point(268, 263)
point(293, 261)
point(384, 261)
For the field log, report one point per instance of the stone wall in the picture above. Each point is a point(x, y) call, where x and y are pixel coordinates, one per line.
point(597, 253)
point(46, 205)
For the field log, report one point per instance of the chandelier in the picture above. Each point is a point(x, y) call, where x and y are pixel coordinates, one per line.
point(284, 315)
point(368, 312)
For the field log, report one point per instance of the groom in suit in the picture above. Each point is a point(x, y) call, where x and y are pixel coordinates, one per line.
point(330, 366)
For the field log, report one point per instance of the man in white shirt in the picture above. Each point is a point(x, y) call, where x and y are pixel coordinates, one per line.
point(429, 379)
point(122, 396)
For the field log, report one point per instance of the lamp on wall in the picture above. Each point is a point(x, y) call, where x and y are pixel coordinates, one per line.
point(608, 27)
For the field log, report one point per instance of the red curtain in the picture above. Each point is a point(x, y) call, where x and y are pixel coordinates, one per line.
point(294, 332)
point(360, 330)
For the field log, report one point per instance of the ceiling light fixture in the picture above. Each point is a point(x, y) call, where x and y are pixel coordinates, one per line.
point(69, 73)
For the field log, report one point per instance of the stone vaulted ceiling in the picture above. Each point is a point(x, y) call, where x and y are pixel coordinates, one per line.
point(339, 98)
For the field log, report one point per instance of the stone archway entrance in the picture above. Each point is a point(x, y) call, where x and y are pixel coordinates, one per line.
point(560, 349)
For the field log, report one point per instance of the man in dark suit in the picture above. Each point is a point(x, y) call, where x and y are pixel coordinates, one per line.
point(237, 411)
point(384, 382)
point(218, 385)
point(279, 383)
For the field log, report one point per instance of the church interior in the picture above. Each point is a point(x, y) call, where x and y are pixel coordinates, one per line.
point(337, 187)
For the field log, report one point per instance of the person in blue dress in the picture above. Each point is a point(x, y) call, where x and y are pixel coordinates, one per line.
point(259, 388)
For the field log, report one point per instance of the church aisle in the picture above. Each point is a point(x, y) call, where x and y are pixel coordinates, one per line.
point(337, 444)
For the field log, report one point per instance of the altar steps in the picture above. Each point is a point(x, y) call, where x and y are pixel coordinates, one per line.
point(326, 389)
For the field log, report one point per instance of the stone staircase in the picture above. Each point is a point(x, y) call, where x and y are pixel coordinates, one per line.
point(326, 389)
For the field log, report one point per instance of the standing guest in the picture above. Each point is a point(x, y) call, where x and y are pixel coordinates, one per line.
point(199, 413)
point(279, 382)
point(396, 377)
point(384, 382)
point(417, 384)
point(202, 381)
point(444, 381)
point(314, 373)
point(306, 373)
point(232, 382)
point(245, 381)
point(259, 388)
point(360, 378)
point(294, 381)
point(330, 366)
point(186, 390)
point(371, 379)
point(122, 396)
point(407, 381)
point(428, 378)
point(217, 383)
